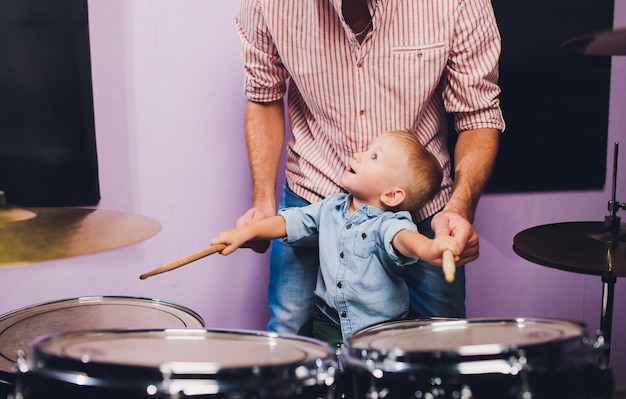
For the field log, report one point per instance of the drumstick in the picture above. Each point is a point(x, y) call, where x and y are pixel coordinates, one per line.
point(448, 265)
point(183, 261)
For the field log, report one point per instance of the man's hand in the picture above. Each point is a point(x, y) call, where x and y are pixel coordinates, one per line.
point(252, 216)
point(447, 223)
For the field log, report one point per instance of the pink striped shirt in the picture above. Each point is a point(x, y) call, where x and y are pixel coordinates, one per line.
point(421, 59)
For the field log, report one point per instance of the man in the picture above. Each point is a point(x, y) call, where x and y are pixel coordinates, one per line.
point(353, 68)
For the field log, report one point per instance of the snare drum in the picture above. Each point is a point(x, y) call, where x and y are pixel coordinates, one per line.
point(18, 328)
point(474, 358)
point(194, 363)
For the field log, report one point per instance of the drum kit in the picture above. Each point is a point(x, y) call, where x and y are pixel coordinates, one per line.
point(129, 347)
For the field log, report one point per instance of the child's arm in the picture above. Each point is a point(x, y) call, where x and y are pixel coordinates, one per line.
point(266, 229)
point(412, 244)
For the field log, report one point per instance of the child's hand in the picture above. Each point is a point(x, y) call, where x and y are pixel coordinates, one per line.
point(233, 239)
point(449, 249)
point(441, 244)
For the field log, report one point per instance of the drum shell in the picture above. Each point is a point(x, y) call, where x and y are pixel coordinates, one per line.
point(166, 364)
point(550, 367)
point(19, 327)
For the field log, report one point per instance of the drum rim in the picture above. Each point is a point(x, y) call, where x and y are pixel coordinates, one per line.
point(425, 322)
point(96, 298)
point(312, 342)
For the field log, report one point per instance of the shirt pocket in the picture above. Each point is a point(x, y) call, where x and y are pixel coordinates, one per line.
point(417, 72)
point(419, 49)
point(428, 59)
point(364, 244)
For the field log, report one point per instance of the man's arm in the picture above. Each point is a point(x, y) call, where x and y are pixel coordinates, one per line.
point(474, 158)
point(265, 136)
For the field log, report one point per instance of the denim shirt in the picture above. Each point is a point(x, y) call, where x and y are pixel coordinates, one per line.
point(360, 271)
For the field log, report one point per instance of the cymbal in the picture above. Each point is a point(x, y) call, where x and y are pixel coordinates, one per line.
point(608, 42)
point(579, 247)
point(38, 234)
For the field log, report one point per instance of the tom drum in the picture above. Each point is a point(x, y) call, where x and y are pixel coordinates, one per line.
point(19, 327)
point(473, 358)
point(194, 363)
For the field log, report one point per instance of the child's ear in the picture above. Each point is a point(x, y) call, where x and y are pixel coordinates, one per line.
point(393, 198)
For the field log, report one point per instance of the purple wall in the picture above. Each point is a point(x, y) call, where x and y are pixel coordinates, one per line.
point(168, 108)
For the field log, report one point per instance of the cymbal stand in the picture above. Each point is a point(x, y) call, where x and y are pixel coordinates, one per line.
point(612, 226)
point(612, 221)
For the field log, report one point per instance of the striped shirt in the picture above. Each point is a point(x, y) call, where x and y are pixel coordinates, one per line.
point(421, 59)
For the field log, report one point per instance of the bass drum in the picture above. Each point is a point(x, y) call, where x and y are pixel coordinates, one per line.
point(473, 359)
point(18, 328)
point(177, 364)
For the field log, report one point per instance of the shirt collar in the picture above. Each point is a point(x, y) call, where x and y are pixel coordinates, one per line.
point(367, 210)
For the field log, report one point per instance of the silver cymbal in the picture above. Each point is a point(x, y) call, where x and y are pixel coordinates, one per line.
point(607, 42)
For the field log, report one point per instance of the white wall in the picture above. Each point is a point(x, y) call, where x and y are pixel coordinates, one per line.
point(168, 108)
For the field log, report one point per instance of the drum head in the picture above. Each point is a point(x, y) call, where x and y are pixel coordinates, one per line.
point(20, 327)
point(396, 344)
point(192, 361)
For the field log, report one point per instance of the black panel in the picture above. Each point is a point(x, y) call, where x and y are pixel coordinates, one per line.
point(47, 134)
point(555, 103)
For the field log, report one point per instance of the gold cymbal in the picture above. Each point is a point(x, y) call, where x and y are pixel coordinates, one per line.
point(608, 42)
point(580, 247)
point(30, 235)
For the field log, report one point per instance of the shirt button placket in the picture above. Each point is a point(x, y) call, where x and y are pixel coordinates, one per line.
point(359, 65)
point(361, 92)
point(361, 97)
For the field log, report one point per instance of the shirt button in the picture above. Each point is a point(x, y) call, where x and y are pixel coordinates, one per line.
point(364, 236)
point(362, 112)
point(360, 64)
point(348, 226)
point(341, 255)
point(343, 314)
point(339, 285)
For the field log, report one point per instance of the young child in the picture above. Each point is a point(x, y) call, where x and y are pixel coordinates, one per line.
point(366, 236)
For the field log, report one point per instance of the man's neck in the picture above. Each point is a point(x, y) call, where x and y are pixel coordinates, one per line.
point(357, 16)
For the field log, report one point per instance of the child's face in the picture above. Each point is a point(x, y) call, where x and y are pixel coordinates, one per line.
point(373, 172)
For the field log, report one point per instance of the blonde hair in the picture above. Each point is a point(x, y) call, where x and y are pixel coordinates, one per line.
point(423, 171)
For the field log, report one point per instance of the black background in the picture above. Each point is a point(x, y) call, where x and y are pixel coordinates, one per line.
point(555, 102)
point(47, 135)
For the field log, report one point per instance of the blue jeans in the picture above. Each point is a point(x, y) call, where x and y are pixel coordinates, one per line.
point(293, 276)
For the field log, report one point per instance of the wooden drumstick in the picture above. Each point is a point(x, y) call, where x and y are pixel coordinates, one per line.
point(448, 265)
point(183, 261)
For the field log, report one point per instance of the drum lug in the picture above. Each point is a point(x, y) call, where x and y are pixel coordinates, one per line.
point(600, 342)
point(20, 363)
point(438, 391)
point(519, 366)
point(374, 394)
